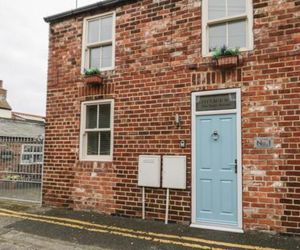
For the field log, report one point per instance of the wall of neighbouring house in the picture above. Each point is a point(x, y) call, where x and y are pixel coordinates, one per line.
point(5, 109)
point(156, 41)
point(5, 113)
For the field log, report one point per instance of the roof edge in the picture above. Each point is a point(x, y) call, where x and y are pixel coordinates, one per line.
point(32, 122)
point(26, 114)
point(83, 9)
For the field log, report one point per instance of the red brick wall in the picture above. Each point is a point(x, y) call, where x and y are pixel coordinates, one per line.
point(156, 41)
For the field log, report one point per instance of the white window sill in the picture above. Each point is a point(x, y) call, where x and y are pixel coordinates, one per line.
point(101, 70)
point(241, 50)
point(95, 158)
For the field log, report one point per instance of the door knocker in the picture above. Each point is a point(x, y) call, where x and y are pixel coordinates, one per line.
point(215, 136)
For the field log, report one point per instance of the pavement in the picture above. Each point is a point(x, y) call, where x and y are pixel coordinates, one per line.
point(30, 227)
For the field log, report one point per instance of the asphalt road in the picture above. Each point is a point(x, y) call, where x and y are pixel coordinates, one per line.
point(31, 227)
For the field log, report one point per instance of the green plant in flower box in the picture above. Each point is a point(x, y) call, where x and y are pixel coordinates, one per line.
point(93, 76)
point(92, 71)
point(225, 57)
point(224, 51)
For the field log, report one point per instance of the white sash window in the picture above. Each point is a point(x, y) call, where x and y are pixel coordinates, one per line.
point(96, 140)
point(227, 22)
point(99, 42)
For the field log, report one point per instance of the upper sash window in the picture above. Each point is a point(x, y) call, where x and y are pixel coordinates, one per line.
point(227, 22)
point(98, 42)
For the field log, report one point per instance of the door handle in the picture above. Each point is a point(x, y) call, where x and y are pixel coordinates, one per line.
point(235, 166)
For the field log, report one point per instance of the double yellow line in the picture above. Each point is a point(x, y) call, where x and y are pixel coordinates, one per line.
point(183, 241)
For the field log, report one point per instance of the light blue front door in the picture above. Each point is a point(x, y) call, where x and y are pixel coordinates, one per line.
point(216, 184)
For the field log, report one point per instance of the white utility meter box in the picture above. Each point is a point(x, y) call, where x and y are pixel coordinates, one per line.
point(174, 172)
point(149, 170)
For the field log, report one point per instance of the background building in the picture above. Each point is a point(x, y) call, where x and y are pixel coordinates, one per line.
point(21, 153)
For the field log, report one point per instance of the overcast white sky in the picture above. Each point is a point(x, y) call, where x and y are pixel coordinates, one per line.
point(24, 50)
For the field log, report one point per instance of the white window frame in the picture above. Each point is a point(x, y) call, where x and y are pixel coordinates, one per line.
point(86, 46)
point(31, 153)
point(83, 138)
point(248, 16)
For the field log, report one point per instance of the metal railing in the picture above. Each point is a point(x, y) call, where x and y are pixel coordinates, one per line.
point(21, 168)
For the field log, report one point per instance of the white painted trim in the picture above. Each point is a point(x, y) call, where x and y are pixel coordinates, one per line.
point(84, 55)
point(204, 29)
point(237, 111)
point(216, 112)
point(215, 92)
point(227, 19)
point(248, 16)
point(218, 228)
point(82, 149)
point(194, 177)
point(239, 157)
point(250, 20)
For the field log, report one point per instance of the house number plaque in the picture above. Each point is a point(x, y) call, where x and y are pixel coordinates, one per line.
point(263, 142)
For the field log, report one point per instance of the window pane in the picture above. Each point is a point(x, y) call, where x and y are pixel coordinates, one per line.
point(95, 58)
point(28, 148)
point(105, 143)
point(216, 102)
point(217, 36)
point(91, 116)
point(38, 158)
point(104, 116)
point(237, 34)
point(92, 143)
point(93, 31)
point(27, 158)
point(106, 28)
point(236, 7)
point(216, 9)
point(38, 148)
point(106, 59)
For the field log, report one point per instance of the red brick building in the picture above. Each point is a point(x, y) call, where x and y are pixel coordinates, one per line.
point(241, 125)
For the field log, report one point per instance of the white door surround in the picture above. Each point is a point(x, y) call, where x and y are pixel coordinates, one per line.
point(237, 111)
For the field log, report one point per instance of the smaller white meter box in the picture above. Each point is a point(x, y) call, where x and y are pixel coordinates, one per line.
point(174, 172)
point(149, 171)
